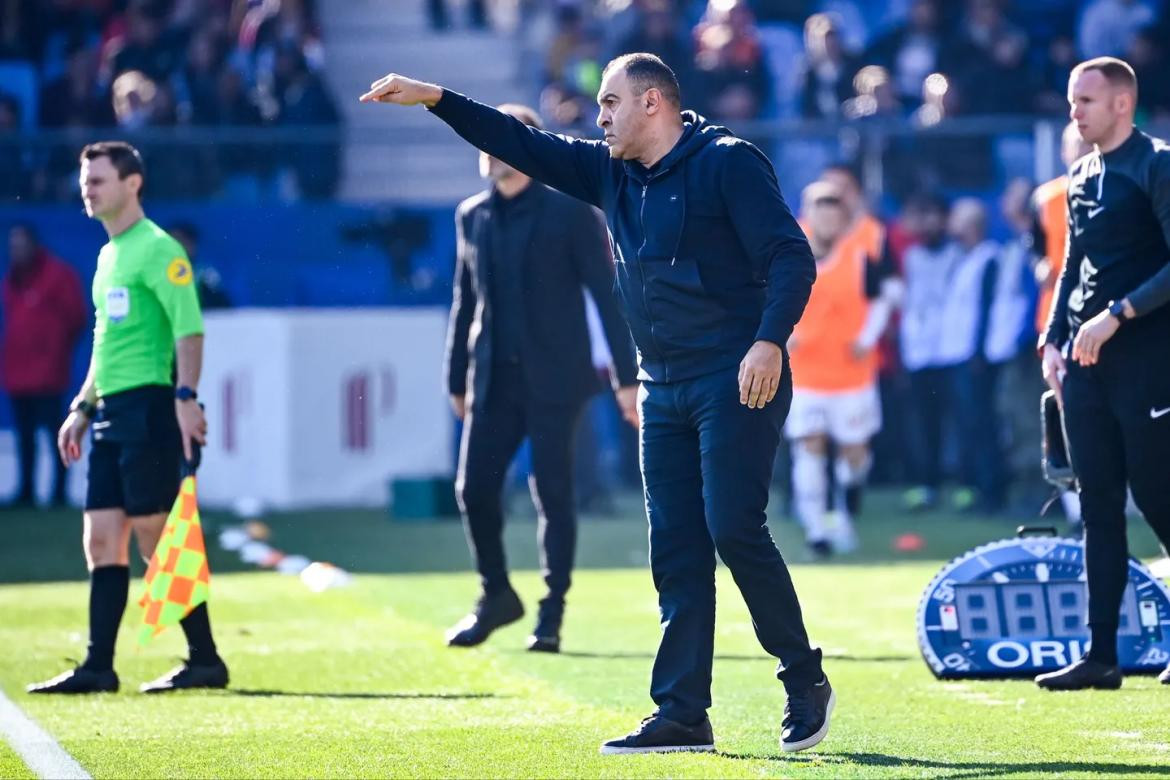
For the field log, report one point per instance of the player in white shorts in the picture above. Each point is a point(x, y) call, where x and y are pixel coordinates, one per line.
point(834, 368)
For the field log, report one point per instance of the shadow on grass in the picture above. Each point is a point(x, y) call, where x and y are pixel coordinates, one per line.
point(957, 770)
point(866, 659)
point(360, 695)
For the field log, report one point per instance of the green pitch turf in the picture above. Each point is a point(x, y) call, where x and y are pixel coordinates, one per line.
point(356, 681)
point(11, 766)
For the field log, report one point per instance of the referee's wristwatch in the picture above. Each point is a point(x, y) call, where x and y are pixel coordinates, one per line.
point(1117, 309)
point(184, 393)
point(83, 407)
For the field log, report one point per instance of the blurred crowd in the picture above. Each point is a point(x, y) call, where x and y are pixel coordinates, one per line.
point(959, 376)
point(133, 65)
point(851, 59)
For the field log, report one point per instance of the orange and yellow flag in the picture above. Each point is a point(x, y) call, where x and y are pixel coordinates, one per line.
point(177, 579)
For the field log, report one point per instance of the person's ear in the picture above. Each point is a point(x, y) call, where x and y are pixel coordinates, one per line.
point(652, 99)
point(1123, 101)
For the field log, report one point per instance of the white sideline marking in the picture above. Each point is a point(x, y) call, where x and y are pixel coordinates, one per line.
point(35, 747)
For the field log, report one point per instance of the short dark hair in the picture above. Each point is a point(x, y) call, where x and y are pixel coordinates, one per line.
point(124, 157)
point(525, 114)
point(845, 168)
point(648, 71)
point(1118, 73)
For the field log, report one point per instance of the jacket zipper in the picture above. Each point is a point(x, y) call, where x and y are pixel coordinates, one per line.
point(642, 280)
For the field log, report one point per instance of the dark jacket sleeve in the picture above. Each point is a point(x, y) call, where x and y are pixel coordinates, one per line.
point(1155, 292)
point(1056, 331)
point(594, 265)
point(771, 237)
point(573, 166)
point(463, 305)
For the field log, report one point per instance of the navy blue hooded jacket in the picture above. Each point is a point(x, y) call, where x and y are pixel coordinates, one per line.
point(709, 258)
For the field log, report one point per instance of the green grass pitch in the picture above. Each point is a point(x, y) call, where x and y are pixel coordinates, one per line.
point(356, 682)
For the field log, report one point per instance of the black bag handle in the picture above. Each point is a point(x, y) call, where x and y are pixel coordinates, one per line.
point(1039, 530)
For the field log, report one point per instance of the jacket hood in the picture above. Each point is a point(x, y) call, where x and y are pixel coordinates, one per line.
point(697, 133)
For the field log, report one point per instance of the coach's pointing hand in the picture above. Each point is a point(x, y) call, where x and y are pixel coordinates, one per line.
point(759, 374)
point(402, 91)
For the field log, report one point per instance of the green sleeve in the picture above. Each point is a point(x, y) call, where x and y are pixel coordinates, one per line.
point(173, 283)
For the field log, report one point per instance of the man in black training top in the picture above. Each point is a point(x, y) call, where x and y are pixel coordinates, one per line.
point(1107, 345)
point(518, 365)
point(713, 272)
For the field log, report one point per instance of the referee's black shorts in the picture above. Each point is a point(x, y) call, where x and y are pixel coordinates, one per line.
point(137, 455)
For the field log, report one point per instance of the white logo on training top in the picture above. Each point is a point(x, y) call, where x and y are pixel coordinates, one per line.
point(1156, 413)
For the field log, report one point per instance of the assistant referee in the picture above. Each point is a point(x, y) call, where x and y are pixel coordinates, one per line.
point(1107, 344)
point(147, 321)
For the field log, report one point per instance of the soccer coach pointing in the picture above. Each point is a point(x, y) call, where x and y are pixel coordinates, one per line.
point(713, 273)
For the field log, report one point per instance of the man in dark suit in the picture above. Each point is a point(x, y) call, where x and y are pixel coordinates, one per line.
point(518, 365)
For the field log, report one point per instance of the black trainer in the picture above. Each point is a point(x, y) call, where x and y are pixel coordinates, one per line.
point(186, 676)
point(546, 637)
point(657, 734)
point(806, 717)
point(491, 612)
point(1164, 677)
point(1081, 674)
point(79, 680)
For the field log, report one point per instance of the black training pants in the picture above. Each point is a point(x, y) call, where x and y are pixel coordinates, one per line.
point(1117, 415)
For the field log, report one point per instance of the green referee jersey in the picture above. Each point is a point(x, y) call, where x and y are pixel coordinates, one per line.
point(144, 294)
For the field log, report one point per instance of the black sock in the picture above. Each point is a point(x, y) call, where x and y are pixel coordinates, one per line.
point(1104, 643)
point(108, 589)
point(200, 645)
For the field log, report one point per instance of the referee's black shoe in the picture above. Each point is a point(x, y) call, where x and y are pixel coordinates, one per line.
point(1081, 674)
point(79, 680)
point(491, 612)
point(806, 716)
point(657, 734)
point(187, 675)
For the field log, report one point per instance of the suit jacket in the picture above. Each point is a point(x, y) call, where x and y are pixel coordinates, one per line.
point(568, 250)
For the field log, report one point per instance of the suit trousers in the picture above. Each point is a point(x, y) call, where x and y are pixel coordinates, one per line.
point(492, 433)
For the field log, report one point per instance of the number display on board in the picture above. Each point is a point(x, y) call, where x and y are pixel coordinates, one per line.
point(1018, 607)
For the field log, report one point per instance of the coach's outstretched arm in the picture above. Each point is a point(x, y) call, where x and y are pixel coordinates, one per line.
point(573, 166)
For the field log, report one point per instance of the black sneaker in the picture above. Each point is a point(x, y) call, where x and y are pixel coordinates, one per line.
point(1082, 674)
point(546, 637)
point(657, 734)
point(1164, 677)
point(806, 717)
point(186, 676)
point(79, 680)
point(491, 612)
